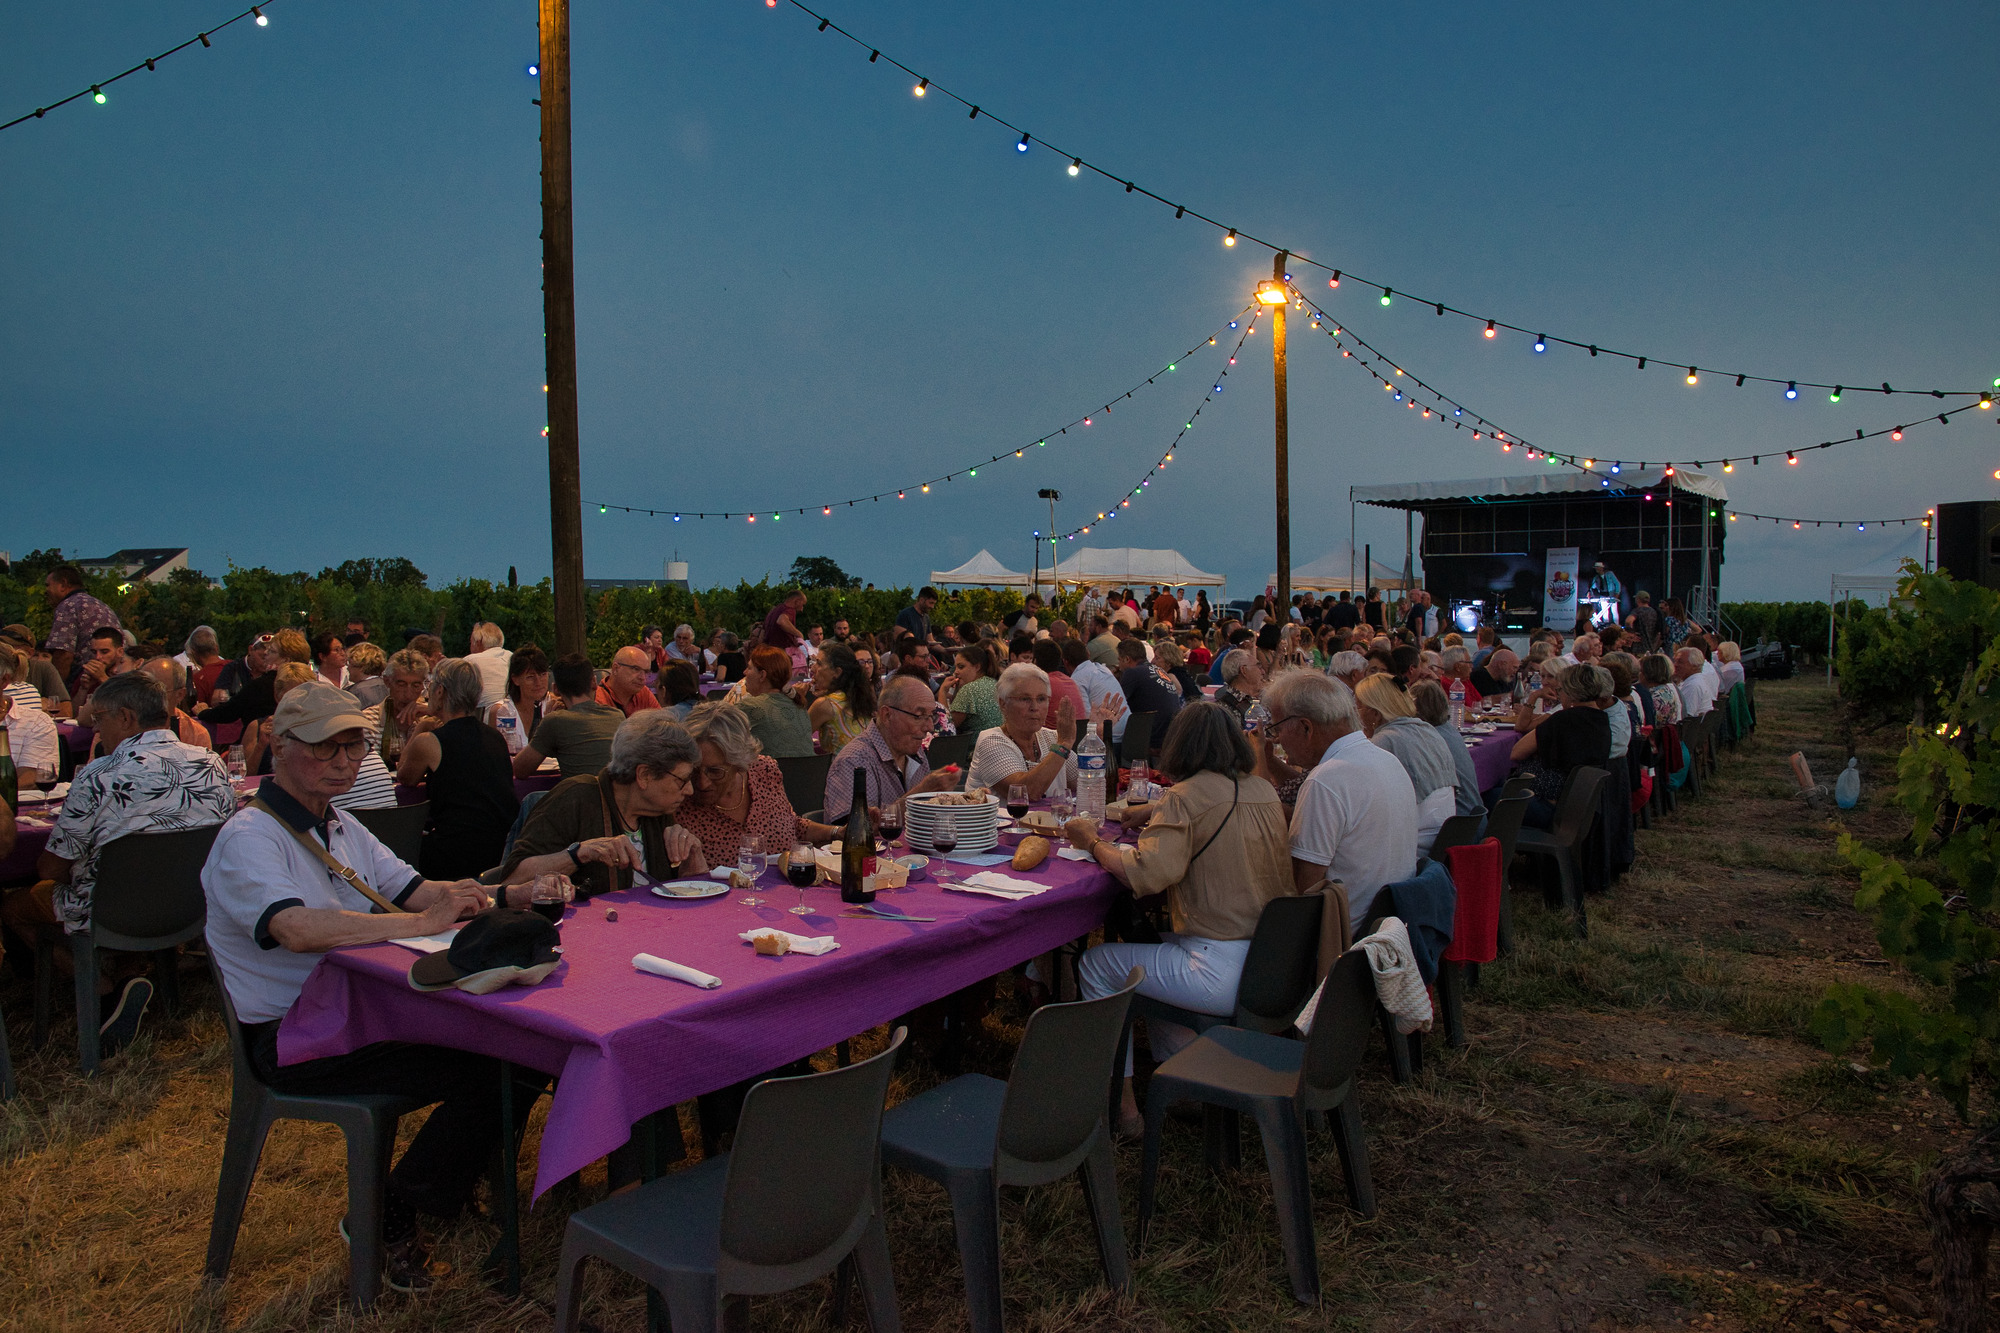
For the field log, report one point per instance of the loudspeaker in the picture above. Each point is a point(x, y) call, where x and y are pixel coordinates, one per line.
point(1968, 541)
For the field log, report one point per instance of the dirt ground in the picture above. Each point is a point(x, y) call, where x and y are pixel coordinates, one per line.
point(1641, 1135)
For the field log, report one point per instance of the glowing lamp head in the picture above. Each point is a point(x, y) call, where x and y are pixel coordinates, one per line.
point(1075, 166)
point(1271, 292)
point(1490, 330)
point(1692, 377)
point(923, 86)
point(1792, 389)
point(1792, 459)
point(534, 71)
point(1387, 296)
point(1896, 434)
point(1541, 343)
point(1728, 466)
point(97, 94)
point(1230, 239)
point(262, 22)
point(1022, 146)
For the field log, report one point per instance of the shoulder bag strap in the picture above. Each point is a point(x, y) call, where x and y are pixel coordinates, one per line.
point(326, 858)
point(1235, 791)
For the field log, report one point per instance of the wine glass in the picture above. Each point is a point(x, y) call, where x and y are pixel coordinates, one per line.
point(1062, 805)
point(944, 838)
point(750, 860)
point(890, 824)
point(801, 868)
point(1017, 799)
point(550, 894)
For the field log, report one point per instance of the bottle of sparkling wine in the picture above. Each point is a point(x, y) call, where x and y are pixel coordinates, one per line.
point(10, 783)
point(857, 847)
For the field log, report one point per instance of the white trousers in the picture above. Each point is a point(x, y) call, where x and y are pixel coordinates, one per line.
point(1183, 970)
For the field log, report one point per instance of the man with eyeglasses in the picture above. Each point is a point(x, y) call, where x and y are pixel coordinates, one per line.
point(625, 688)
point(888, 752)
point(276, 902)
point(147, 782)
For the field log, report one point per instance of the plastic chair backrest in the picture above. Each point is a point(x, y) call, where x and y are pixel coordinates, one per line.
point(1055, 1094)
point(803, 1170)
point(946, 750)
point(400, 828)
point(1458, 831)
point(1517, 787)
point(149, 886)
point(805, 779)
point(1504, 823)
point(1578, 805)
point(1282, 964)
point(1341, 1024)
point(239, 1051)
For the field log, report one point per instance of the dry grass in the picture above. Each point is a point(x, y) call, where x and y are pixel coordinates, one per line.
point(1636, 1116)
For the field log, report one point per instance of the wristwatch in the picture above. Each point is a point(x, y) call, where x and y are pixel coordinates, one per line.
point(575, 859)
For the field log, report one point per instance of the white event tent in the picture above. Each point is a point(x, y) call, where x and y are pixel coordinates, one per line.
point(1336, 572)
point(982, 571)
point(1123, 565)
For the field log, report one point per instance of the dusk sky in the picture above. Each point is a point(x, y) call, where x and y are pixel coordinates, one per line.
point(278, 301)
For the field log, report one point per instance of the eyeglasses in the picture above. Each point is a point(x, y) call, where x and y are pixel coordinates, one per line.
point(684, 780)
point(325, 750)
point(1277, 724)
point(715, 776)
point(925, 718)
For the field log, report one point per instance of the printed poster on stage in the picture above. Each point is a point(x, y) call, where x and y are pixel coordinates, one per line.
point(1559, 589)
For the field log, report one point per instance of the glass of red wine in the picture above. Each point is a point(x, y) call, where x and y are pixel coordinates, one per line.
point(801, 868)
point(1017, 800)
point(550, 894)
point(890, 822)
point(944, 840)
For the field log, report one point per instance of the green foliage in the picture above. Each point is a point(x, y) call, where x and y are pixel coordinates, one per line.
point(1801, 624)
point(818, 571)
point(1942, 649)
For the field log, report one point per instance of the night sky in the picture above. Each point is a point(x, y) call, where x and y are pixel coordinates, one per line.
point(279, 300)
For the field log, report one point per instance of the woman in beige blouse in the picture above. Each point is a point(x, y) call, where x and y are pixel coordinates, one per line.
point(1218, 845)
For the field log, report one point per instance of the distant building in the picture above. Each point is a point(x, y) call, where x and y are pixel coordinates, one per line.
point(145, 564)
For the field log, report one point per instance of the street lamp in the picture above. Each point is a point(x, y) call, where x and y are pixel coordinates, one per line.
point(1271, 292)
point(1274, 296)
point(1051, 495)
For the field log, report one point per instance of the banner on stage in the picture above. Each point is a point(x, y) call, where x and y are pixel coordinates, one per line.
point(1559, 589)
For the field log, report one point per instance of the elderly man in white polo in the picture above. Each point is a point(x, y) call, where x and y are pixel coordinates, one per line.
point(291, 877)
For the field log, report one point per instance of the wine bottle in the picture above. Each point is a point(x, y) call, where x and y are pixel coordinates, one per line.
point(857, 847)
point(10, 781)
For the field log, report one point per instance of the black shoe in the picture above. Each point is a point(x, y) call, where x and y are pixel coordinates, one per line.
point(406, 1263)
point(117, 1031)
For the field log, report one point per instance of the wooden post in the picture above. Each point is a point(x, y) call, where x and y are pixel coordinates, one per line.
point(1281, 429)
point(559, 330)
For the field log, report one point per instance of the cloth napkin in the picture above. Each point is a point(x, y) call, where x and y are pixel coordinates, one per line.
point(812, 944)
point(996, 885)
point(429, 943)
point(660, 967)
point(1075, 854)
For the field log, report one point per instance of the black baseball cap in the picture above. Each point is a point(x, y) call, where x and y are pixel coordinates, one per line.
point(502, 946)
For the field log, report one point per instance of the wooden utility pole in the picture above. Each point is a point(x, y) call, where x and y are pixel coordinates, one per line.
point(559, 330)
point(1283, 611)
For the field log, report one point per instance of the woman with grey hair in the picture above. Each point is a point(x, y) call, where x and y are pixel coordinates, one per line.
point(739, 791)
point(1390, 720)
point(1242, 681)
point(1433, 707)
point(585, 827)
point(1217, 844)
point(1021, 750)
point(468, 777)
point(1551, 745)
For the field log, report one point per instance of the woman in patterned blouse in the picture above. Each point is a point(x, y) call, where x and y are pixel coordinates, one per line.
point(739, 792)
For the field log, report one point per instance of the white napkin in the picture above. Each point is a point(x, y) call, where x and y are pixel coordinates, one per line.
point(660, 967)
point(996, 885)
point(812, 944)
point(429, 943)
point(1075, 854)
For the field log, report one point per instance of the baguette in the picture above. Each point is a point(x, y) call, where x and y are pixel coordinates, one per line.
point(1031, 853)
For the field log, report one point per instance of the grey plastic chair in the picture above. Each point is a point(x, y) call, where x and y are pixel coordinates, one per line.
point(799, 1195)
point(147, 899)
point(1503, 822)
point(1280, 970)
point(1137, 742)
point(1517, 787)
point(1280, 1082)
point(367, 1121)
point(976, 1134)
point(1458, 831)
point(805, 780)
point(400, 828)
point(1575, 813)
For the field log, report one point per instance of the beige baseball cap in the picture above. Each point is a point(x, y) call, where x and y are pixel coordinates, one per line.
point(315, 711)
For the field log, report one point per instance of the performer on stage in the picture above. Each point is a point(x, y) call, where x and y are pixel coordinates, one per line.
point(1607, 596)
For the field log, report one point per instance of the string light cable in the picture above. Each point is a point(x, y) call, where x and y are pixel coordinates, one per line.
point(968, 470)
point(1449, 409)
point(1124, 501)
point(1858, 524)
point(1076, 164)
point(96, 90)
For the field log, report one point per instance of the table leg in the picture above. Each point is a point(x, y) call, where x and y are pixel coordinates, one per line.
point(505, 1259)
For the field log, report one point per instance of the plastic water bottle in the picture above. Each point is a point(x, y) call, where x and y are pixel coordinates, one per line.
point(1256, 718)
point(1091, 761)
point(1457, 702)
point(507, 720)
point(1847, 788)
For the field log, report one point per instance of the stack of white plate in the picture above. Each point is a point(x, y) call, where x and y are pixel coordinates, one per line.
point(977, 826)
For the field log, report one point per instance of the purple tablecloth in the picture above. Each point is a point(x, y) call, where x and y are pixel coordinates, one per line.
point(28, 845)
point(1492, 757)
point(627, 1043)
point(79, 738)
point(410, 795)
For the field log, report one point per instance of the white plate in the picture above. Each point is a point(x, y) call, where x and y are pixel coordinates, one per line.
point(690, 888)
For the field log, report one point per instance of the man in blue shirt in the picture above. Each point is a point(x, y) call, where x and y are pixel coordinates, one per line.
point(1145, 690)
point(916, 618)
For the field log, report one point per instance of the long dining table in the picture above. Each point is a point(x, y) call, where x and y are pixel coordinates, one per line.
point(626, 1043)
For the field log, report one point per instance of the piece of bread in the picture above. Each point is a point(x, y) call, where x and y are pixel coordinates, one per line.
point(771, 945)
point(1031, 853)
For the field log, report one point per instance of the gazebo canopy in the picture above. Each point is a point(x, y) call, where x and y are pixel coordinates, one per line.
point(1337, 570)
point(1123, 565)
point(982, 571)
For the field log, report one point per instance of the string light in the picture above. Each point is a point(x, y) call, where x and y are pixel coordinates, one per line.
point(1075, 165)
point(1692, 377)
point(1489, 329)
point(95, 92)
point(1022, 146)
point(1181, 210)
point(971, 470)
point(1541, 343)
point(923, 86)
